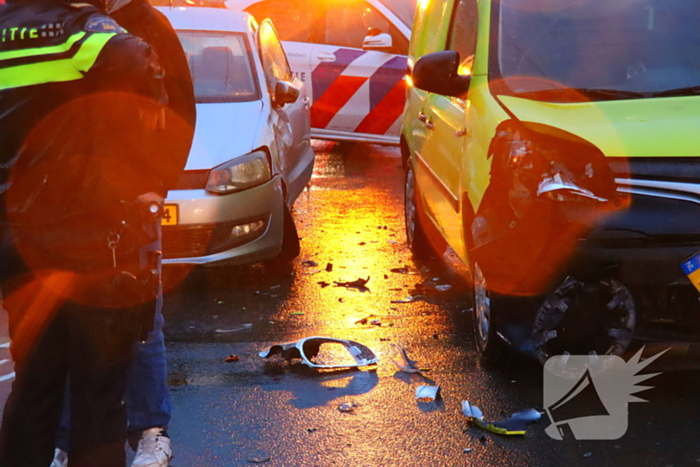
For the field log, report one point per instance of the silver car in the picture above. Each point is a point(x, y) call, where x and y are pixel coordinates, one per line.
point(251, 156)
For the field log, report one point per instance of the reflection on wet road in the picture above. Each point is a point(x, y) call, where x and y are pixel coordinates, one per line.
point(351, 223)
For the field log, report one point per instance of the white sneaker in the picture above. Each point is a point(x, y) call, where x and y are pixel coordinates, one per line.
point(60, 458)
point(153, 450)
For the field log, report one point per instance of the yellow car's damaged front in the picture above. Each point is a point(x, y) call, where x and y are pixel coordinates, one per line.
point(553, 146)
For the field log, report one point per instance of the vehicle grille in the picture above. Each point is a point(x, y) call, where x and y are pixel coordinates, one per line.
point(192, 241)
point(193, 180)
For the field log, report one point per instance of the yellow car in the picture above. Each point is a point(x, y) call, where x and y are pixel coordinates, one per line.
point(554, 145)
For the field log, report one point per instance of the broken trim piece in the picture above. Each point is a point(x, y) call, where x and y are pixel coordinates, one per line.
point(428, 392)
point(515, 425)
point(307, 348)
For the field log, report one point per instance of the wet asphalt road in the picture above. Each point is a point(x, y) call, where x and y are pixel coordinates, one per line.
point(229, 414)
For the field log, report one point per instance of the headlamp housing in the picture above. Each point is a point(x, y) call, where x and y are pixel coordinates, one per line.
point(240, 174)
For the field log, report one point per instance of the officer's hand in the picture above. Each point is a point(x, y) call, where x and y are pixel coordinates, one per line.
point(151, 197)
point(152, 119)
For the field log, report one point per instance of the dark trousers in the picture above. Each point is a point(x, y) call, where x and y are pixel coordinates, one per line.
point(54, 336)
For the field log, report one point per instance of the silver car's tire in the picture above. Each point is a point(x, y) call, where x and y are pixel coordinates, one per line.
point(290, 242)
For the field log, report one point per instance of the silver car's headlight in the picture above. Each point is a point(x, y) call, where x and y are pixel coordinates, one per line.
point(239, 174)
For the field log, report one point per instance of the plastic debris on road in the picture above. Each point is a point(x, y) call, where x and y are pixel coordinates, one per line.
point(325, 352)
point(404, 270)
point(258, 459)
point(360, 284)
point(371, 319)
point(429, 288)
point(231, 358)
point(242, 327)
point(404, 363)
point(515, 425)
point(427, 392)
point(409, 299)
point(309, 263)
point(347, 407)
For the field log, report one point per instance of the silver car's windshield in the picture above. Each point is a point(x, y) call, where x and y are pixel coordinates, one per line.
point(598, 49)
point(220, 65)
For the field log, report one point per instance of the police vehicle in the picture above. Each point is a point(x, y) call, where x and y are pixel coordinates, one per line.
point(351, 56)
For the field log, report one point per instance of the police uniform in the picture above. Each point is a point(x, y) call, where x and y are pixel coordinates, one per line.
point(74, 155)
point(147, 396)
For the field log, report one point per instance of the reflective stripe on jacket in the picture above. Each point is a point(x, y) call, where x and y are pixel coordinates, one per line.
point(52, 63)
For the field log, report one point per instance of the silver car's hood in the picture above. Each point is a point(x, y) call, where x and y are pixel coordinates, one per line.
point(224, 132)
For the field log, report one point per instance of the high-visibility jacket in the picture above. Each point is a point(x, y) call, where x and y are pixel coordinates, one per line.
point(74, 87)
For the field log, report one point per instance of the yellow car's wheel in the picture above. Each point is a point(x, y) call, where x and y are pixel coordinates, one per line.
point(416, 234)
point(416, 237)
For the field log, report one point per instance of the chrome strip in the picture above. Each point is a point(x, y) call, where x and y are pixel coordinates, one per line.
point(661, 189)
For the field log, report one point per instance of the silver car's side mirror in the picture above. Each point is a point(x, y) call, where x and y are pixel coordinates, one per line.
point(285, 93)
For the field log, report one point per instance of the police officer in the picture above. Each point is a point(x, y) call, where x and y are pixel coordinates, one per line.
point(79, 191)
point(147, 398)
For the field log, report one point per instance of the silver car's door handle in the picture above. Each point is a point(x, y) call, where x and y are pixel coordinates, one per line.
point(326, 56)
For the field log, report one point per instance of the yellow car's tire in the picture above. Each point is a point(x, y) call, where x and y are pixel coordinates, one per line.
point(416, 237)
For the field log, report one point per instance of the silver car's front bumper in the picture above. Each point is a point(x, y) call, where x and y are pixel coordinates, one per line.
point(203, 234)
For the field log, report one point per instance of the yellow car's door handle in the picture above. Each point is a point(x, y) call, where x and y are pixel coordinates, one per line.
point(428, 124)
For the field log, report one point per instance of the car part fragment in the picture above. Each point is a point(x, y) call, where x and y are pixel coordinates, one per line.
point(585, 318)
point(347, 407)
point(515, 425)
point(428, 392)
point(324, 352)
point(406, 364)
point(360, 284)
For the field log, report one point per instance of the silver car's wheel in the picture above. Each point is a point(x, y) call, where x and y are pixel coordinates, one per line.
point(290, 243)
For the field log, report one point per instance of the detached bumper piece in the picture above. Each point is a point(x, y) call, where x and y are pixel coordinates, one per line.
point(324, 353)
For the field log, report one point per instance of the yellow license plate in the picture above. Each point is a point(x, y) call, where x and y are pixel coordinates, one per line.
point(691, 268)
point(170, 215)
